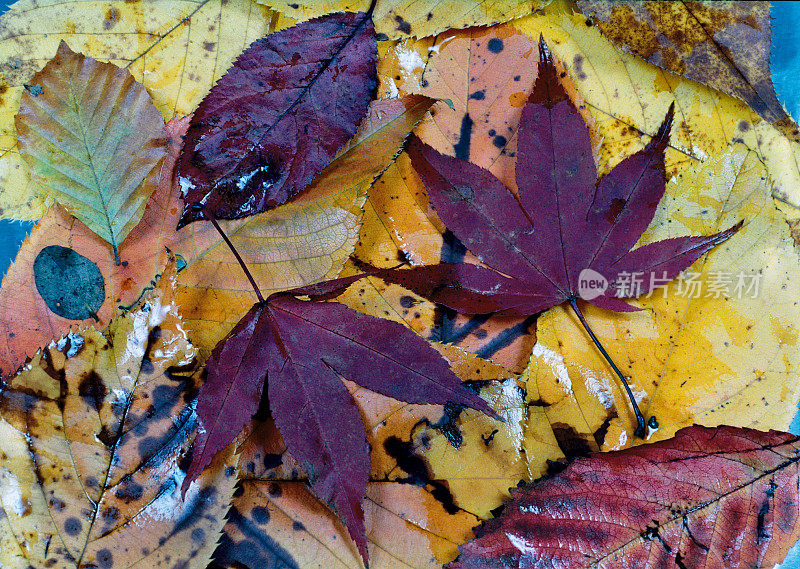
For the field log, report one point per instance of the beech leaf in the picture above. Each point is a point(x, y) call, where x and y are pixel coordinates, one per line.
point(304, 348)
point(94, 141)
point(278, 117)
point(564, 224)
point(709, 497)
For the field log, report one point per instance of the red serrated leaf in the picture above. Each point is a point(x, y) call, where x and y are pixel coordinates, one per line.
point(278, 116)
point(562, 222)
point(304, 348)
point(720, 497)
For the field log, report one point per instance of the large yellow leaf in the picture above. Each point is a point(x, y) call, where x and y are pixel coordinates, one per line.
point(716, 352)
point(176, 48)
point(418, 18)
point(92, 431)
point(94, 141)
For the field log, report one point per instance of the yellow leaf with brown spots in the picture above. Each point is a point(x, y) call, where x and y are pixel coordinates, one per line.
point(425, 492)
point(93, 431)
point(718, 345)
point(725, 45)
point(176, 48)
point(397, 19)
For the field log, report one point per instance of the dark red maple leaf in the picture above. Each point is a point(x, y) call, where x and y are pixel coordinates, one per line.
point(304, 348)
point(278, 116)
point(717, 498)
point(564, 229)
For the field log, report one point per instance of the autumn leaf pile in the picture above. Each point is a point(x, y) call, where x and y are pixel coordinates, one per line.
point(397, 284)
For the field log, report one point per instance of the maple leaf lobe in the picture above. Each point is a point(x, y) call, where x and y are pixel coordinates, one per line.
point(278, 116)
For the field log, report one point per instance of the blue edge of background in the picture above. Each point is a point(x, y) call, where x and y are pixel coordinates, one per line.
point(785, 65)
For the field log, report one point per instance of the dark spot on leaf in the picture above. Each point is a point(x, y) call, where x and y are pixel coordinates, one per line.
point(70, 284)
point(418, 474)
point(570, 442)
point(209, 46)
point(495, 45)
point(107, 436)
point(129, 491)
point(478, 95)
point(402, 25)
point(73, 526)
point(112, 17)
point(407, 301)
point(462, 147)
point(272, 460)
point(199, 535)
point(275, 490)
point(105, 560)
point(448, 424)
point(260, 515)
point(298, 526)
point(93, 390)
point(499, 141)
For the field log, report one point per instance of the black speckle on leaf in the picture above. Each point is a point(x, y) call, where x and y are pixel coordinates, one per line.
point(495, 45)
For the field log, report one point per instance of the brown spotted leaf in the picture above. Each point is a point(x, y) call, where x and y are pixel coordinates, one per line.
point(722, 497)
point(92, 431)
point(725, 45)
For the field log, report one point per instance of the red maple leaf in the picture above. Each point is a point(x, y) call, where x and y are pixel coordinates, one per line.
point(303, 348)
point(566, 236)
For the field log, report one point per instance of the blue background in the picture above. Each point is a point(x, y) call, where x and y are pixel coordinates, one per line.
point(785, 65)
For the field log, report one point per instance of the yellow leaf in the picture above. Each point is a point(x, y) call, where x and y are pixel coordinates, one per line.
point(715, 353)
point(92, 431)
point(176, 48)
point(418, 18)
point(94, 141)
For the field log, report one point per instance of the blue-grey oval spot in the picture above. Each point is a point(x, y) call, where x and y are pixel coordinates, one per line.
point(70, 284)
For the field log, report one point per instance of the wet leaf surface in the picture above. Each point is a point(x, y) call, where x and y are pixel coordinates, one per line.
point(724, 45)
point(94, 141)
point(278, 117)
point(722, 497)
point(93, 432)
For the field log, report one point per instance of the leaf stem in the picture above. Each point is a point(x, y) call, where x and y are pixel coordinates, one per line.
point(247, 273)
point(640, 424)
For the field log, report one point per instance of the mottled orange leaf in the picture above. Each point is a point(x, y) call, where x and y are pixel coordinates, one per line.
point(24, 314)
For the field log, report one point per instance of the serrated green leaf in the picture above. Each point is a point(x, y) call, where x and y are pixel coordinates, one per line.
point(94, 141)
